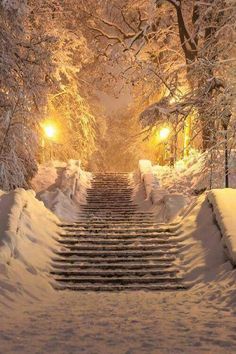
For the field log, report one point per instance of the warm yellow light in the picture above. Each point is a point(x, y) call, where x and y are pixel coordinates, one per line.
point(164, 133)
point(50, 130)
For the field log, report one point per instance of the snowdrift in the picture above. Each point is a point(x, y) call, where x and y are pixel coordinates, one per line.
point(62, 187)
point(172, 188)
point(27, 238)
point(224, 207)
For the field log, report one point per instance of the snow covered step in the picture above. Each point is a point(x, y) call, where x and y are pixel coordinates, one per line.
point(101, 224)
point(119, 220)
point(133, 237)
point(121, 253)
point(110, 204)
point(110, 184)
point(108, 197)
point(130, 224)
point(100, 227)
point(63, 264)
point(116, 273)
point(83, 260)
point(119, 207)
point(107, 188)
point(119, 231)
point(158, 279)
point(119, 234)
point(115, 214)
point(110, 192)
point(121, 247)
point(100, 241)
point(120, 287)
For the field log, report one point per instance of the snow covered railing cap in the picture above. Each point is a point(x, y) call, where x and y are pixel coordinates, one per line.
point(145, 166)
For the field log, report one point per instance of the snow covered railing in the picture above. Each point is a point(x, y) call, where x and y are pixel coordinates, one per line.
point(70, 178)
point(149, 180)
point(223, 202)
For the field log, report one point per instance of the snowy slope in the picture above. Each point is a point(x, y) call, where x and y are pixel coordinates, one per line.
point(25, 246)
point(224, 206)
point(170, 189)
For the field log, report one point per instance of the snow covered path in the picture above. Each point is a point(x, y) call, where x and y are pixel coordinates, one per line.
point(121, 323)
point(36, 319)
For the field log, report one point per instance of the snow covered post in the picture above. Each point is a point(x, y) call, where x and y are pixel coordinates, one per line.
point(70, 178)
point(147, 177)
point(225, 123)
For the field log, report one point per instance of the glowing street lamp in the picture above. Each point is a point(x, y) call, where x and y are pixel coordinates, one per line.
point(164, 133)
point(50, 133)
point(50, 130)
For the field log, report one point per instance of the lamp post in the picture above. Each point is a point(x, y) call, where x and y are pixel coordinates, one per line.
point(164, 134)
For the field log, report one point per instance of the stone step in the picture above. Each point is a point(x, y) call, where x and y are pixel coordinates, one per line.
point(158, 279)
point(101, 225)
point(121, 219)
point(115, 273)
point(109, 200)
point(109, 207)
point(105, 184)
point(121, 247)
point(110, 203)
point(111, 266)
point(134, 220)
point(114, 260)
point(100, 241)
point(120, 253)
point(107, 224)
point(112, 214)
point(142, 232)
point(120, 287)
point(109, 193)
point(100, 188)
point(112, 228)
point(96, 237)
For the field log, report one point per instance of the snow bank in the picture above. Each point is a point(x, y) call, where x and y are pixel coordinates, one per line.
point(192, 175)
point(203, 252)
point(20, 210)
point(172, 188)
point(203, 261)
point(48, 176)
point(26, 247)
point(224, 206)
point(65, 196)
point(168, 204)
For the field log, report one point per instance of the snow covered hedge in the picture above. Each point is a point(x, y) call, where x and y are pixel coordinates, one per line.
point(224, 207)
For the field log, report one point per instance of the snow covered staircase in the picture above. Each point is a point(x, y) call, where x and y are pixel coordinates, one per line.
point(113, 246)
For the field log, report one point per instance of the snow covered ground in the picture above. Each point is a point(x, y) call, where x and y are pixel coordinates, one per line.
point(37, 319)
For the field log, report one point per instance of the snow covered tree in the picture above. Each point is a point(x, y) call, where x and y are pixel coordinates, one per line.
point(25, 69)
